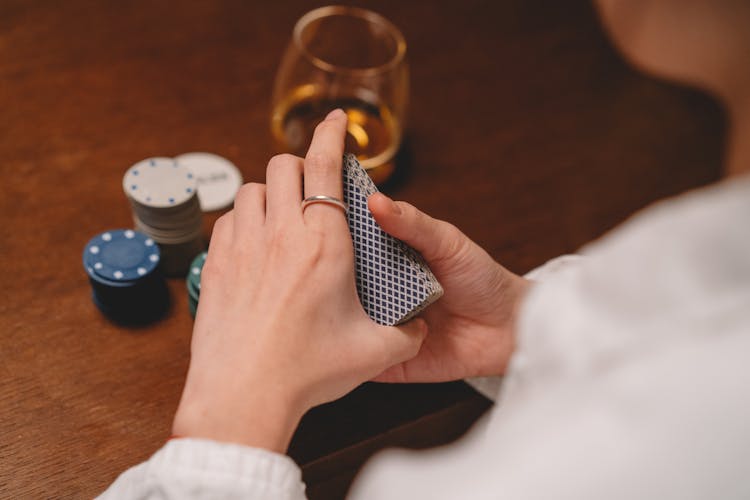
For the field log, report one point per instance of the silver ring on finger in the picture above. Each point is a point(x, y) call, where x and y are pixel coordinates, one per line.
point(329, 200)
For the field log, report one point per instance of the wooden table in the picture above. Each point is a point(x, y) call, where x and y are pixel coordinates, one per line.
point(526, 130)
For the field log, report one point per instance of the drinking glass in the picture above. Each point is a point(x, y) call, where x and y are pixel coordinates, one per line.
point(349, 58)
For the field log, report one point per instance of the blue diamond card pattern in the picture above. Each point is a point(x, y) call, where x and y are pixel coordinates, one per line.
point(393, 281)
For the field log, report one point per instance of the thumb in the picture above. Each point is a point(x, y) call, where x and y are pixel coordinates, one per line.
point(434, 239)
point(401, 343)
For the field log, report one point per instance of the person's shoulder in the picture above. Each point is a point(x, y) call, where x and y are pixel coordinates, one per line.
point(684, 218)
point(676, 270)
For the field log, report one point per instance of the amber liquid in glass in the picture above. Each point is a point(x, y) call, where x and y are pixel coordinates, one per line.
point(372, 133)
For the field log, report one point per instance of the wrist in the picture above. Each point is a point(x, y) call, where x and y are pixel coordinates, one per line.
point(514, 291)
point(262, 419)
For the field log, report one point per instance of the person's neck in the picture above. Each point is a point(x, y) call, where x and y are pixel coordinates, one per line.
point(738, 147)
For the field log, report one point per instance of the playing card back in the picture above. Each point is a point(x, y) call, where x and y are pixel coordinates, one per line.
point(393, 281)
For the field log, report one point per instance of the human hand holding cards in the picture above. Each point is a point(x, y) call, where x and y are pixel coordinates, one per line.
point(292, 283)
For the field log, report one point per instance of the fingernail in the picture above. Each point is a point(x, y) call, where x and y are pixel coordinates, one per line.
point(334, 113)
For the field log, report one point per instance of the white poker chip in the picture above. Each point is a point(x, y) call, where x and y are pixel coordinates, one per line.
point(159, 183)
point(218, 179)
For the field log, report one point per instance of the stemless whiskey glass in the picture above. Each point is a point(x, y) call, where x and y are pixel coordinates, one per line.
point(349, 58)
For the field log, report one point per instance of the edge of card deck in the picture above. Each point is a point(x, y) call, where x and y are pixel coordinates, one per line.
point(394, 282)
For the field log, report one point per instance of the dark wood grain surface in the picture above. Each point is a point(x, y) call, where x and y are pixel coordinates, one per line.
point(526, 130)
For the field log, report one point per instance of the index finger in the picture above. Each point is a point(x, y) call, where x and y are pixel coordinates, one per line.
point(323, 161)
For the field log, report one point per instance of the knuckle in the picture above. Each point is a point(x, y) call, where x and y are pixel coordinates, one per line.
point(283, 160)
point(410, 210)
point(421, 220)
point(279, 241)
point(222, 225)
point(453, 241)
point(320, 163)
point(323, 126)
point(249, 190)
point(449, 230)
point(315, 251)
point(253, 187)
point(285, 248)
point(210, 272)
point(315, 247)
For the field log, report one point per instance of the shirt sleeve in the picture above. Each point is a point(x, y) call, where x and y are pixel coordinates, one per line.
point(629, 378)
point(197, 468)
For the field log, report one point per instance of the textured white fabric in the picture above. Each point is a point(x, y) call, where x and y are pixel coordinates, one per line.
point(200, 468)
point(631, 380)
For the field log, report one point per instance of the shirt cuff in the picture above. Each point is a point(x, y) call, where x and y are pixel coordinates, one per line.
point(552, 267)
point(202, 468)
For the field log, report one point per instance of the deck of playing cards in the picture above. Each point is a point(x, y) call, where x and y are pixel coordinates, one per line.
point(393, 280)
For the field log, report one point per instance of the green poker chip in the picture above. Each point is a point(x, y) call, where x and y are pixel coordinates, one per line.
point(193, 281)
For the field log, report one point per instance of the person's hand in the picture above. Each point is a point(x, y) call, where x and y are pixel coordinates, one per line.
point(470, 329)
point(279, 327)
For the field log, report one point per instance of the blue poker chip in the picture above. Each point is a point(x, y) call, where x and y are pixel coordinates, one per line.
point(120, 257)
point(126, 283)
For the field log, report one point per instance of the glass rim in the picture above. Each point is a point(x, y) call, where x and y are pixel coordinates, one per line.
point(357, 12)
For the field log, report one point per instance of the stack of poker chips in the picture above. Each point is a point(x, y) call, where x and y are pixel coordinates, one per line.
point(164, 197)
point(193, 282)
point(126, 283)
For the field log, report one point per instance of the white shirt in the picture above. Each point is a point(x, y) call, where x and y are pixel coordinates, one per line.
point(631, 380)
